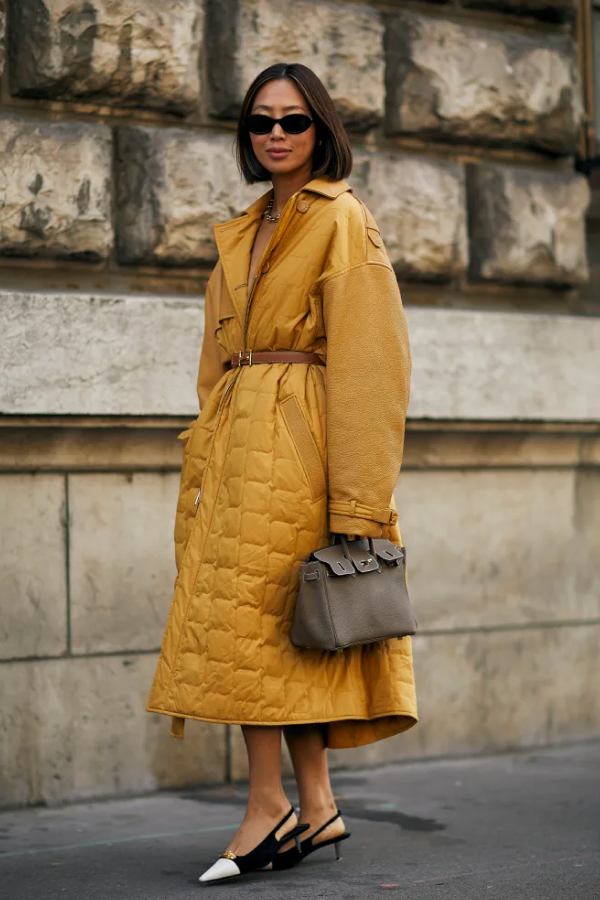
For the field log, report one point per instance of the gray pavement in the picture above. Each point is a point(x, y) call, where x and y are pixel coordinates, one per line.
point(523, 826)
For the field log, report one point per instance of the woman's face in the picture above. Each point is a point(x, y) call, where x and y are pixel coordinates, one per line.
point(278, 152)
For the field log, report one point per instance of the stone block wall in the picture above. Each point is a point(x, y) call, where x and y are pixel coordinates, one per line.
point(143, 55)
point(487, 85)
point(117, 120)
point(56, 186)
point(116, 132)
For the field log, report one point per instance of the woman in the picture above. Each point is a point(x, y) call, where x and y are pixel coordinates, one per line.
point(288, 448)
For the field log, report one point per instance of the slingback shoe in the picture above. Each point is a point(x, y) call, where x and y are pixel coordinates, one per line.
point(294, 855)
point(230, 864)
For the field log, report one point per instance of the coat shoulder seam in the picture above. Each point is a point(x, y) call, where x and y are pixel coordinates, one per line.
point(360, 265)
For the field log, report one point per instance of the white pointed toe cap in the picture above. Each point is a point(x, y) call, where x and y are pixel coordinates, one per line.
point(223, 868)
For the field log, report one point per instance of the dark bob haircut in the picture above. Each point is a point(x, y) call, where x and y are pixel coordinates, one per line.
point(331, 160)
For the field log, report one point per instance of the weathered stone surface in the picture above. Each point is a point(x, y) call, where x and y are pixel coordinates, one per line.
point(496, 365)
point(55, 196)
point(121, 559)
point(340, 42)
point(420, 207)
point(127, 446)
point(497, 569)
point(142, 360)
point(173, 186)
point(453, 81)
point(33, 590)
point(134, 53)
point(486, 692)
point(75, 728)
point(551, 10)
point(527, 226)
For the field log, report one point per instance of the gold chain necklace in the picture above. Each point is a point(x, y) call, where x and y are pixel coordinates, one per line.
point(267, 213)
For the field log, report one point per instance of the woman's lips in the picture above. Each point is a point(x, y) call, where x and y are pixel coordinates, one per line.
point(278, 154)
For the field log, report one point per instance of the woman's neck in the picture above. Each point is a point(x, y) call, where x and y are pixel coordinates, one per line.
point(287, 184)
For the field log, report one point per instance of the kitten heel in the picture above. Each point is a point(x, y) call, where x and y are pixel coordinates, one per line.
point(288, 858)
point(230, 865)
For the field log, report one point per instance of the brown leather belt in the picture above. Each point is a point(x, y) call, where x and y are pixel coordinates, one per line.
point(251, 357)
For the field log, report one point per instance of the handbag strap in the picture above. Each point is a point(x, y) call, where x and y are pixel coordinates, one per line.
point(344, 543)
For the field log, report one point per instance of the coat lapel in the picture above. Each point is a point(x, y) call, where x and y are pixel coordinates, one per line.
point(234, 238)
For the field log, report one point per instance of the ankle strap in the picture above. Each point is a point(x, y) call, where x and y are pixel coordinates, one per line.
point(326, 825)
point(283, 821)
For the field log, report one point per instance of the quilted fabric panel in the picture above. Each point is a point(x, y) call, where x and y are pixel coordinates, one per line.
point(248, 511)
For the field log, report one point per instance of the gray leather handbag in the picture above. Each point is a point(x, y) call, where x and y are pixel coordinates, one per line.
point(352, 592)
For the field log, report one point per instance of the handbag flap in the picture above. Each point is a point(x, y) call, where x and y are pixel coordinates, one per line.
point(361, 556)
point(333, 556)
point(387, 550)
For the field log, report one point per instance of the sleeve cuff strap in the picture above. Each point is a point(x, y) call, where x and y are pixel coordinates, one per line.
point(385, 516)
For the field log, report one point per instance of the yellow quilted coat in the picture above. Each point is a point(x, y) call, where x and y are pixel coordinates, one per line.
point(280, 455)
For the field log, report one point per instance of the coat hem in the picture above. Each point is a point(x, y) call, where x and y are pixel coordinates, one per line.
point(410, 718)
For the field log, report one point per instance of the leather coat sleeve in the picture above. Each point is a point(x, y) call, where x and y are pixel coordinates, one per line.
point(213, 362)
point(368, 378)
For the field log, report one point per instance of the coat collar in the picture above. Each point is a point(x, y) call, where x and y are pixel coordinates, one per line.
point(322, 186)
point(235, 237)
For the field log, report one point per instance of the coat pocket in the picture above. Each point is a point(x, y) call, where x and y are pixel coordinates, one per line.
point(184, 437)
point(306, 446)
point(189, 492)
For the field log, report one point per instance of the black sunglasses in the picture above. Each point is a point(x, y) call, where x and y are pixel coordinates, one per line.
point(295, 123)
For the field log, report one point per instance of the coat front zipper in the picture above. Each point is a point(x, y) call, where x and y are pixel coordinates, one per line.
point(285, 217)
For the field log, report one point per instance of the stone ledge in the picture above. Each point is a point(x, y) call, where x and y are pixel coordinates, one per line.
point(85, 354)
point(138, 444)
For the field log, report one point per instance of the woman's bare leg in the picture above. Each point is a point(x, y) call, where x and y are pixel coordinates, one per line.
point(267, 803)
point(309, 758)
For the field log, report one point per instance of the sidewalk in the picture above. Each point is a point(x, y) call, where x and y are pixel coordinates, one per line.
point(524, 826)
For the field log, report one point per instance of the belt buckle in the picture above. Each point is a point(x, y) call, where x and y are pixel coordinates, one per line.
point(245, 358)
